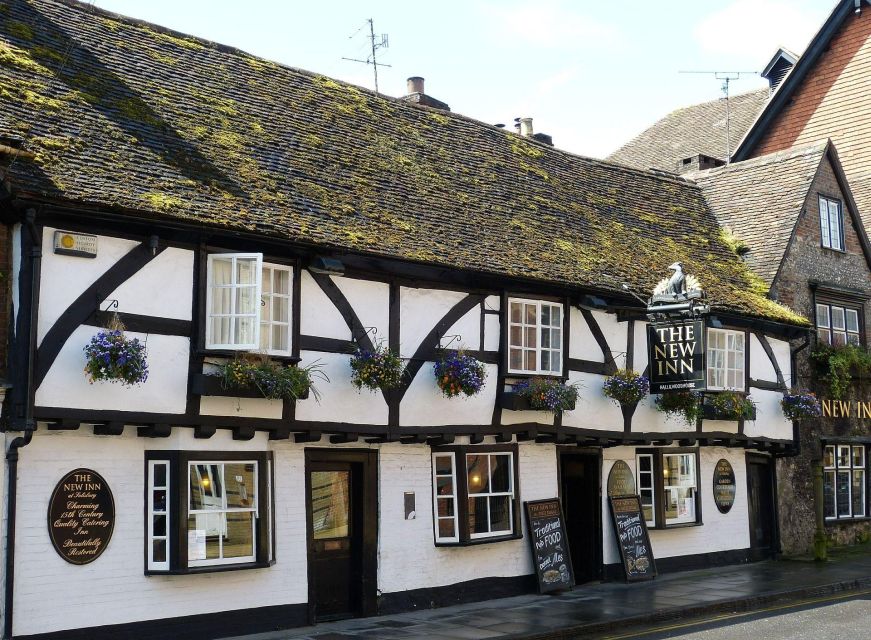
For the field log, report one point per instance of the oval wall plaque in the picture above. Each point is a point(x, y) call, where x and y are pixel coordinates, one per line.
point(724, 485)
point(81, 516)
point(621, 481)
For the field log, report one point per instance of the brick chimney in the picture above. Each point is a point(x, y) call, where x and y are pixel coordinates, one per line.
point(417, 95)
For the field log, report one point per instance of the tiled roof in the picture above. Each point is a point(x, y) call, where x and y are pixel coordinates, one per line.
point(130, 117)
point(760, 200)
point(686, 132)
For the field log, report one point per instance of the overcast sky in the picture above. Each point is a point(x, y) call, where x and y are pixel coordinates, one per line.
point(591, 74)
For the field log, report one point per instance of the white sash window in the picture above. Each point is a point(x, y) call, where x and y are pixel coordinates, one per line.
point(233, 301)
point(535, 338)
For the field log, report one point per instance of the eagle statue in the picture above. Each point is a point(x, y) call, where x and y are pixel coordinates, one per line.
point(678, 284)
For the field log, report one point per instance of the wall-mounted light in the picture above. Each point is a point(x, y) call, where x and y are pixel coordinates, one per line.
point(81, 245)
point(152, 244)
point(326, 266)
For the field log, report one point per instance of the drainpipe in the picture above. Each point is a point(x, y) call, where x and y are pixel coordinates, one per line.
point(29, 426)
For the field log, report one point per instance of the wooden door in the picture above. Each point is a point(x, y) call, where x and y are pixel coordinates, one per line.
point(760, 499)
point(580, 487)
point(341, 534)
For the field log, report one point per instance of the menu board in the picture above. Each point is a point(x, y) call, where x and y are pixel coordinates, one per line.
point(724, 486)
point(81, 516)
point(550, 552)
point(632, 538)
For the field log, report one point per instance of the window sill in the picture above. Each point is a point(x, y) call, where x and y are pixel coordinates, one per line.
point(203, 384)
point(242, 566)
point(682, 525)
point(838, 521)
point(233, 353)
point(479, 541)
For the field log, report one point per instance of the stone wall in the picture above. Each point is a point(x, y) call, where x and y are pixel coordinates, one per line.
point(807, 261)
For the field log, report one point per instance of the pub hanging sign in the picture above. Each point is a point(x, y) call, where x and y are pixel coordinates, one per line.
point(676, 333)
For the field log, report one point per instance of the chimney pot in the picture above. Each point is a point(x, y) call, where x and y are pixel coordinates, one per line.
point(415, 85)
point(526, 127)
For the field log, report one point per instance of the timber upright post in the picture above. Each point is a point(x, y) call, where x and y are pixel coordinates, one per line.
point(820, 551)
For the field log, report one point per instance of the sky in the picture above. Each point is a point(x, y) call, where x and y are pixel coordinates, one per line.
point(591, 74)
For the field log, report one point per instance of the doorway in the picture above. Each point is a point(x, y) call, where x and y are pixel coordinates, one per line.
point(760, 504)
point(342, 515)
point(580, 489)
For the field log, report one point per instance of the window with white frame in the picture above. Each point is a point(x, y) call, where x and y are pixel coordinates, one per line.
point(646, 487)
point(207, 510)
point(535, 337)
point(726, 360)
point(837, 324)
point(248, 304)
point(474, 494)
point(668, 486)
point(679, 487)
point(831, 223)
point(445, 497)
point(844, 481)
point(275, 296)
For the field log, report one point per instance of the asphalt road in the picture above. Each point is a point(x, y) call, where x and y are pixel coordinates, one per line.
point(832, 618)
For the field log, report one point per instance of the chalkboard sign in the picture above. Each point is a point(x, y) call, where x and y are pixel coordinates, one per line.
point(550, 552)
point(632, 538)
point(81, 516)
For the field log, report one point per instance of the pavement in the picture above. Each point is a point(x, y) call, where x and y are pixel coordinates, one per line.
point(599, 608)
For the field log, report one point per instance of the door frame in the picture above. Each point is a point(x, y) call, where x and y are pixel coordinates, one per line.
point(369, 553)
point(771, 464)
point(588, 451)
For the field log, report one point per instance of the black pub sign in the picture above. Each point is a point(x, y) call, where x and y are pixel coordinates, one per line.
point(676, 352)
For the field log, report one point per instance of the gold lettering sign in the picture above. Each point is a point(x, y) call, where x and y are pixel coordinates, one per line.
point(621, 481)
point(846, 408)
point(81, 516)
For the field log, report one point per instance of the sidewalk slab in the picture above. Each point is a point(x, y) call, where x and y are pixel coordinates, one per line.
point(602, 607)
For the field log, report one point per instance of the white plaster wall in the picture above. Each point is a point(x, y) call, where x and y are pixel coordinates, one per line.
point(370, 301)
point(114, 586)
point(760, 366)
point(720, 532)
point(165, 391)
point(584, 346)
point(425, 405)
point(339, 400)
point(593, 410)
point(421, 309)
point(782, 353)
point(16, 273)
point(648, 418)
point(318, 315)
point(769, 422)
point(639, 355)
point(64, 278)
point(724, 426)
point(492, 327)
point(407, 556)
point(241, 407)
point(162, 288)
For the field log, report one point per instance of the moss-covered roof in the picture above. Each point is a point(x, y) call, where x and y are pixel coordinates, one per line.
point(129, 115)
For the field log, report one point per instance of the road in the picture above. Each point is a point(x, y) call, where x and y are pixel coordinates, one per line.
point(831, 618)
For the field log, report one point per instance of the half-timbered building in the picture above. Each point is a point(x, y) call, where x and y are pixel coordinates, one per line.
point(220, 204)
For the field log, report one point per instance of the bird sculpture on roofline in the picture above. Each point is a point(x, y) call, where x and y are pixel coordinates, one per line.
point(678, 284)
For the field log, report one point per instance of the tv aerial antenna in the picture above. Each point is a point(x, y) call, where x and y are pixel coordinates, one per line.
point(726, 77)
point(376, 42)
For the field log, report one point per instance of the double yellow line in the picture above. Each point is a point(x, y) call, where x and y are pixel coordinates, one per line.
point(744, 614)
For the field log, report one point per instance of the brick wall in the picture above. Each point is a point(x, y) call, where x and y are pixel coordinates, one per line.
point(834, 102)
point(807, 260)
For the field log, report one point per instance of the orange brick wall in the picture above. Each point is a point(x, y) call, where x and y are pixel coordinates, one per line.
point(834, 101)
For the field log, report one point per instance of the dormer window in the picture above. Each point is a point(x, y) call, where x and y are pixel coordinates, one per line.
point(535, 337)
point(248, 304)
point(831, 223)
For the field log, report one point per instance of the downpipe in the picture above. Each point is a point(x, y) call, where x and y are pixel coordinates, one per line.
point(29, 425)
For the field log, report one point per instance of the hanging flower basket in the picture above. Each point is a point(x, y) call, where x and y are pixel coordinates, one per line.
point(378, 368)
point(268, 379)
point(458, 373)
point(113, 357)
point(626, 387)
point(801, 406)
point(728, 405)
point(679, 404)
point(547, 394)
